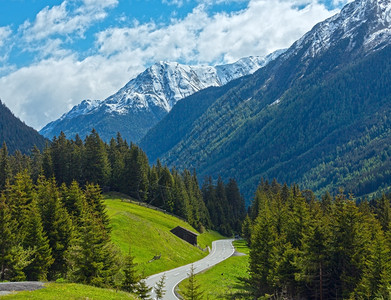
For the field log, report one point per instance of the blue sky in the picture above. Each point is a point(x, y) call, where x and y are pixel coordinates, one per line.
point(54, 54)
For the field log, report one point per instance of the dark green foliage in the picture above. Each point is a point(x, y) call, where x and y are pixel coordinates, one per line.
point(305, 249)
point(92, 257)
point(5, 167)
point(225, 205)
point(37, 240)
point(16, 134)
point(48, 232)
point(96, 162)
point(7, 238)
point(56, 223)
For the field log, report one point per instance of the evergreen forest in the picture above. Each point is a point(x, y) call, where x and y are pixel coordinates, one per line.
point(305, 248)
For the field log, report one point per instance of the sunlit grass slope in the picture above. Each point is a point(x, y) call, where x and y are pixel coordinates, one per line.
point(55, 291)
point(147, 233)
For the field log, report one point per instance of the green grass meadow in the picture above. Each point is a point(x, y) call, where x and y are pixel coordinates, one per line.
point(70, 291)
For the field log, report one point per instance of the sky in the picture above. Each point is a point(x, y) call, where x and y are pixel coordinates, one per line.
point(56, 53)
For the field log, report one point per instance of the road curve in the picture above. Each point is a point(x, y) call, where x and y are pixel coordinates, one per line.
point(221, 250)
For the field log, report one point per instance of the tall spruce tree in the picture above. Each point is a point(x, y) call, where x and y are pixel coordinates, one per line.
point(96, 162)
point(8, 238)
point(5, 168)
point(36, 239)
point(56, 223)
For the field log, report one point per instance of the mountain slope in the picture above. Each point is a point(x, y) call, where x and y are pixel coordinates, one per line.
point(16, 134)
point(317, 115)
point(146, 99)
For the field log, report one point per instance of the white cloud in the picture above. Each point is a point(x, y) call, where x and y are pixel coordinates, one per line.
point(5, 32)
point(262, 27)
point(178, 3)
point(65, 19)
point(42, 92)
point(340, 3)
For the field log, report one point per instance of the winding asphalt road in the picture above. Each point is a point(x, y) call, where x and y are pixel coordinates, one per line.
point(221, 250)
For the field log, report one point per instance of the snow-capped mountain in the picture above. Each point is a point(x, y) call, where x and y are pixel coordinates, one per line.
point(318, 115)
point(363, 24)
point(146, 99)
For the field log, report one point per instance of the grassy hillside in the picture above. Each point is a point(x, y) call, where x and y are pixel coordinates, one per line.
point(223, 280)
point(54, 291)
point(147, 233)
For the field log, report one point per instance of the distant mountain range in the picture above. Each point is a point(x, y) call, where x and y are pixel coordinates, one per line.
point(146, 99)
point(16, 134)
point(317, 115)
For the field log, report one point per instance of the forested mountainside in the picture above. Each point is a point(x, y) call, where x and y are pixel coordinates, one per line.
point(317, 115)
point(16, 134)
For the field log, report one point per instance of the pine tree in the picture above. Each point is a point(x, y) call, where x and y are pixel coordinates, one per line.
point(159, 289)
point(246, 230)
point(36, 239)
point(383, 212)
point(19, 197)
point(92, 259)
point(47, 162)
point(7, 238)
point(36, 163)
point(73, 199)
point(5, 168)
point(192, 290)
point(96, 161)
point(142, 290)
point(56, 223)
point(94, 199)
point(131, 278)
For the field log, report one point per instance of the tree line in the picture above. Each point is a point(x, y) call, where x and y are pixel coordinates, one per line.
point(119, 166)
point(305, 248)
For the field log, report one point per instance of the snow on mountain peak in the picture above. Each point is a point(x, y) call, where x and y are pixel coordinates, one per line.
point(369, 18)
point(161, 86)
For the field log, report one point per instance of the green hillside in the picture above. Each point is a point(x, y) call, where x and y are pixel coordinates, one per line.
point(147, 233)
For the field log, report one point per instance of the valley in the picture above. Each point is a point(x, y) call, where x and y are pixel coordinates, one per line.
point(265, 178)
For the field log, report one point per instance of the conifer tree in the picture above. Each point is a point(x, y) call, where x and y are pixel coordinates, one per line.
point(96, 163)
point(94, 199)
point(56, 223)
point(92, 259)
point(142, 290)
point(131, 278)
point(73, 200)
point(36, 239)
point(36, 163)
point(19, 197)
point(47, 162)
point(159, 289)
point(192, 290)
point(8, 238)
point(5, 168)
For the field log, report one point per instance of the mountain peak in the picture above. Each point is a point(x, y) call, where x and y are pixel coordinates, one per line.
point(147, 98)
point(365, 24)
